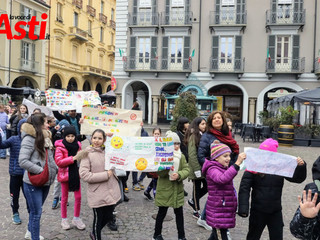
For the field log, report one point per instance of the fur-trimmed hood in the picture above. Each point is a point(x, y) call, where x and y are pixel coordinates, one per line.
point(28, 129)
point(82, 154)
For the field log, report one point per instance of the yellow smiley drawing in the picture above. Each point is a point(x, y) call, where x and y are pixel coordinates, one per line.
point(117, 142)
point(141, 164)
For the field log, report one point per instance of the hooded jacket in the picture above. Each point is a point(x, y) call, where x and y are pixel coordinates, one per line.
point(29, 158)
point(222, 200)
point(63, 160)
point(102, 190)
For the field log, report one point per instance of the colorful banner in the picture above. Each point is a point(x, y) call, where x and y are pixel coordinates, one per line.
point(147, 154)
point(112, 120)
point(263, 161)
point(59, 100)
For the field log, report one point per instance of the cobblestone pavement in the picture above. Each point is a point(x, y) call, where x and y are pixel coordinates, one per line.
point(134, 218)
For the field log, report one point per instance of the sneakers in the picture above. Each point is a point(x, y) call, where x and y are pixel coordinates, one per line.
point(92, 236)
point(16, 219)
point(228, 235)
point(65, 224)
point(78, 223)
point(136, 187)
point(191, 204)
point(126, 190)
point(185, 193)
point(125, 198)
point(204, 224)
point(159, 237)
point(112, 226)
point(196, 214)
point(148, 196)
point(141, 185)
point(28, 236)
point(55, 203)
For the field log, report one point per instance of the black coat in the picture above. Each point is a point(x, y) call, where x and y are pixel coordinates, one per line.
point(183, 146)
point(266, 190)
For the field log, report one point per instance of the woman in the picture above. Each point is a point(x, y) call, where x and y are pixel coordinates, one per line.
point(36, 147)
point(183, 124)
point(14, 120)
point(192, 139)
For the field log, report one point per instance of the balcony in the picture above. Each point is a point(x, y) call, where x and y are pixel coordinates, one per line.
point(79, 34)
point(111, 49)
point(91, 11)
point(144, 19)
point(317, 66)
point(285, 18)
point(157, 64)
point(176, 19)
point(77, 3)
point(96, 72)
point(29, 65)
point(285, 65)
point(228, 18)
point(59, 19)
point(103, 18)
point(112, 24)
point(227, 65)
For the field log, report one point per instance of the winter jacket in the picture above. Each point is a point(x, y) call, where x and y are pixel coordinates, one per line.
point(222, 200)
point(171, 193)
point(4, 120)
point(63, 160)
point(14, 124)
point(29, 158)
point(102, 190)
point(204, 147)
point(266, 190)
point(14, 143)
point(193, 159)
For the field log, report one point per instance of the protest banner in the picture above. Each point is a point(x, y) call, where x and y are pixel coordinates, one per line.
point(85, 98)
point(147, 154)
point(121, 122)
point(31, 106)
point(263, 161)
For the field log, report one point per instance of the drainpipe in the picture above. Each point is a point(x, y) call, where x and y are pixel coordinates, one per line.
point(10, 47)
point(199, 35)
point(315, 35)
point(48, 83)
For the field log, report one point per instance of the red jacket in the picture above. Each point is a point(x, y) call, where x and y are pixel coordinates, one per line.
point(63, 160)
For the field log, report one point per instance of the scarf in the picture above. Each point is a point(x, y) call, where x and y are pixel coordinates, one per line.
point(176, 163)
point(226, 139)
point(74, 178)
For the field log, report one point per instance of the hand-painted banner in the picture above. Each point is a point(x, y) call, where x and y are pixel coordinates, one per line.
point(31, 106)
point(112, 120)
point(147, 154)
point(68, 100)
point(263, 161)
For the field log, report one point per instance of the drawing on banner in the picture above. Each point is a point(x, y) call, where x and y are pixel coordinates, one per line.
point(263, 161)
point(147, 154)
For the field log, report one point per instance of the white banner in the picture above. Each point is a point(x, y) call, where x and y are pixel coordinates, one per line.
point(147, 154)
point(31, 106)
point(263, 161)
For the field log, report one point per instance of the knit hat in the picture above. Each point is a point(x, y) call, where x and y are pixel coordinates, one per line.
point(69, 130)
point(269, 145)
point(219, 149)
point(174, 136)
point(63, 123)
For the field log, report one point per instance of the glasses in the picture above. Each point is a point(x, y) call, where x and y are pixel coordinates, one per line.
point(176, 143)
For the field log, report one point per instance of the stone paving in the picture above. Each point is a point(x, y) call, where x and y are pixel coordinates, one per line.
point(134, 218)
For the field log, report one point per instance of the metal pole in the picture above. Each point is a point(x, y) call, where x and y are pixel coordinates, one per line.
point(8, 82)
point(199, 36)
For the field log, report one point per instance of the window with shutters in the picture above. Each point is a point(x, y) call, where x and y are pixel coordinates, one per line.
point(101, 34)
point(145, 12)
point(177, 12)
point(112, 14)
point(102, 7)
point(143, 55)
point(75, 19)
point(89, 2)
point(58, 48)
point(90, 28)
point(59, 12)
point(89, 55)
point(28, 55)
point(176, 53)
point(75, 54)
point(283, 53)
point(228, 12)
point(284, 11)
point(27, 12)
point(226, 54)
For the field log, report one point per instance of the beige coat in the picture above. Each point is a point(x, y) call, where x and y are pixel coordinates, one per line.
point(102, 190)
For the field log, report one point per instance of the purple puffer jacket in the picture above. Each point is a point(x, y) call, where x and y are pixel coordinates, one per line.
point(222, 200)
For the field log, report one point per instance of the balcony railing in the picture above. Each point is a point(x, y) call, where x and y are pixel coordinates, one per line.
point(228, 17)
point(317, 65)
point(144, 19)
point(176, 18)
point(285, 65)
point(111, 49)
point(79, 33)
point(103, 18)
point(89, 70)
point(227, 65)
point(29, 65)
point(77, 3)
point(285, 17)
point(157, 64)
point(91, 11)
point(112, 24)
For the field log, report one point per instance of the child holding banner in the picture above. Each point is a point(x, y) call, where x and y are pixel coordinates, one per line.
point(170, 190)
point(266, 197)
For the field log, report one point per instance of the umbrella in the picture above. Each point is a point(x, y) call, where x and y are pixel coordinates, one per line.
point(109, 94)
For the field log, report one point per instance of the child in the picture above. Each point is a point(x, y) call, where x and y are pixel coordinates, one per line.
point(103, 191)
point(170, 190)
point(222, 201)
point(266, 197)
point(4, 120)
point(68, 175)
point(156, 132)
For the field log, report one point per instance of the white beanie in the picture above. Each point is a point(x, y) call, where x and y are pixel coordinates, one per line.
point(174, 136)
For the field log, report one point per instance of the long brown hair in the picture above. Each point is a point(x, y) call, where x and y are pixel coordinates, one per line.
point(37, 120)
point(193, 130)
point(19, 113)
point(224, 128)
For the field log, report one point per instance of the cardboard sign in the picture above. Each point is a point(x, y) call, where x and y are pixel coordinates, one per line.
point(263, 161)
point(147, 154)
point(118, 121)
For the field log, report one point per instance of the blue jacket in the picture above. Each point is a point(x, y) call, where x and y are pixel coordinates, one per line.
point(14, 143)
point(4, 120)
point(204, 147)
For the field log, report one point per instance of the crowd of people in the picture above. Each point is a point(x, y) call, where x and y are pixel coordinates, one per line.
point(46, 150)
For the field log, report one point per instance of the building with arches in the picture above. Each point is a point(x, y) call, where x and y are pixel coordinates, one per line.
point(243, 52)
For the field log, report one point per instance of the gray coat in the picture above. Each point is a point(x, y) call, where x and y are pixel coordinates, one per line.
point(29, 158)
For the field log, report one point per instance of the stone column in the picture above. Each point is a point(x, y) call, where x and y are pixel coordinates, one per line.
point(118, 101)
point(252, 110)
point(155, 109)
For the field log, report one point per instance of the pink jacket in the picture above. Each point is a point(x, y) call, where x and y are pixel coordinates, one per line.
point(63, 160)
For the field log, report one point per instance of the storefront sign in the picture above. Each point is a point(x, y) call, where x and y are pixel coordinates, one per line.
point(278, 93)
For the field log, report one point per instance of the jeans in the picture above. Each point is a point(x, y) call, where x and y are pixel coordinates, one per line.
point(3, 152)
point(15, 184)
point(64, 200)
point(56, 188)
point(35, 196)
point(203, 213)
point(135, 177)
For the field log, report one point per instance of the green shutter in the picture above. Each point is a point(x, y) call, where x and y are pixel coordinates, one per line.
point(154, 54)
point(240, 11)
point(215, 53)
point(238, 56)
point(187, 16)
point(33, 57)
point(186, 53)
point(297, 11)
point(154, 13)
point(135, 12)
point(272, 48)
point(167, 14)
point(295, 52)
point(164, 61)
point(132, 59)
point(217, 15)
point(273, 13)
